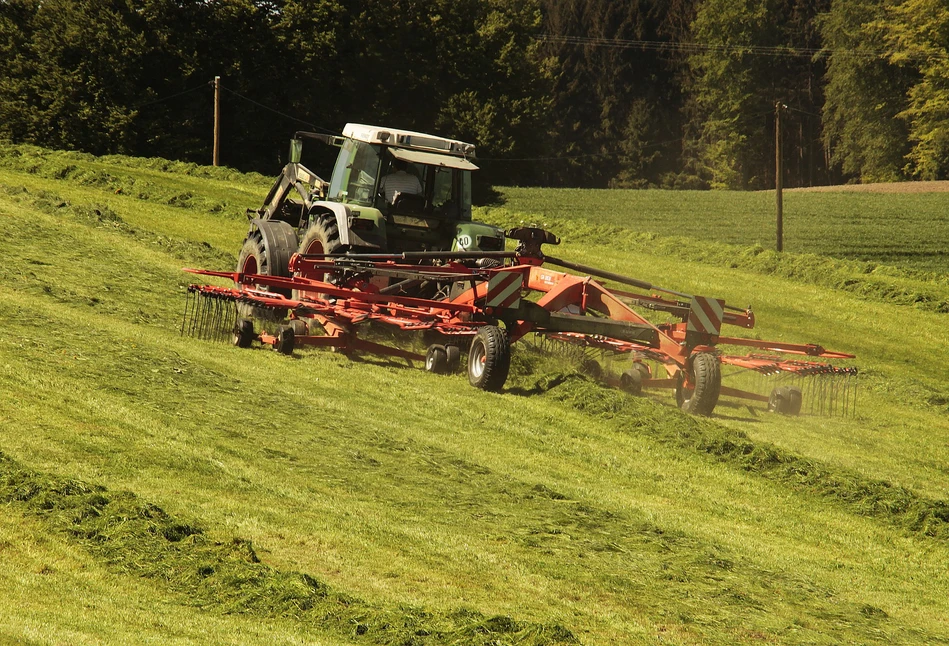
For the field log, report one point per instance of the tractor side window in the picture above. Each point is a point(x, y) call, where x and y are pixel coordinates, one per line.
point(442, 192)
point(465, 206)
point(354, 177)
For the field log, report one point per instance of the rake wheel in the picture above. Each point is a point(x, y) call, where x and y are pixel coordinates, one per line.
point(785, 400)
point(436, 360)
point(706, 381)
point(453, 354)
point(285, 340)
point(244, 333)
point(489, 359)
point(631, 381)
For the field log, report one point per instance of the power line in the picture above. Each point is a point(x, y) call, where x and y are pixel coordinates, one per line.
point(282, 114)
point(700, 48)
point(173, 96)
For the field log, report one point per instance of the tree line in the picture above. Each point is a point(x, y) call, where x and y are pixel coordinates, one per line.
point(588, 93)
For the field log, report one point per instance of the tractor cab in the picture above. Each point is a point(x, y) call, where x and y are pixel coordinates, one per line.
point(420, 184)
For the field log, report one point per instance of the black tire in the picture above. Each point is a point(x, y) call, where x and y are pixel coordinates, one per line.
point(785, 400)
point(299, 327)
point(253, 259)
point(436, 360)
point(489, 359)
point(453, 353)
point(244, 333)
point(592, 368)
point(631, 381)
point(322, 237)
point(706, 372)
point(285, 340)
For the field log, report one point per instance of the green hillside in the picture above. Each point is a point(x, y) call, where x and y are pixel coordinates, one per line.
point(161, 489)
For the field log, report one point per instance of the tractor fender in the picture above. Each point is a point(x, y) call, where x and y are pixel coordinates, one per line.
point(341, 212)
point(344, 214)
point(280, 242)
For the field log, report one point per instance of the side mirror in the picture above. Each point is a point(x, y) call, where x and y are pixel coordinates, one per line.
point(296, 150)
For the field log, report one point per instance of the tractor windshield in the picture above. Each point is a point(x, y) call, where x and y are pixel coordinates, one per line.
point(355, 174)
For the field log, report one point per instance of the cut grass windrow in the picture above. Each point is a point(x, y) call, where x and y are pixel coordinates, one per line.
point(140, 539)
point(896, 505)
point(102, 216)
point(928, 291)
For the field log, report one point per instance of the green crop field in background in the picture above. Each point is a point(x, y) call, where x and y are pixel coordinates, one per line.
point(162, 489)
point(902, 229)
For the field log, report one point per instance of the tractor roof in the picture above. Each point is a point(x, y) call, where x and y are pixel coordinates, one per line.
point(408, 139)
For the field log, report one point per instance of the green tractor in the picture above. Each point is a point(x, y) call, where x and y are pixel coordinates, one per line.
point(391, 191)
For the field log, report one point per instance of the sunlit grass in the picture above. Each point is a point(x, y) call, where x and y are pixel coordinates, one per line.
point(620, 519)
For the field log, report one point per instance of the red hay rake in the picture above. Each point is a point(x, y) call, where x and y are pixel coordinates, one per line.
point(480, 303)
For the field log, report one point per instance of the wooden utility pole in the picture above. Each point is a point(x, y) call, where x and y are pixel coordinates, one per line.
point(779, 173)
point(217, 121)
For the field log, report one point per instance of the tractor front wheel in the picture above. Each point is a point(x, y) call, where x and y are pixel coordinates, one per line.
point(321, 238)
point(489, 359)
point(706, 384)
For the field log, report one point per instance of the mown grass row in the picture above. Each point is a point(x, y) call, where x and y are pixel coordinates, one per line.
point(141, 540)
point(620, 519)
point(211, 190)
point(928, 291)
point(881, 499)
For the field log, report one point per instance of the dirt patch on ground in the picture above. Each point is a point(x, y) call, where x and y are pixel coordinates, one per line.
point(888, 187)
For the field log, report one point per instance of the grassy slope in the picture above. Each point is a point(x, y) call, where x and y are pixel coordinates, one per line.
point(619, 519)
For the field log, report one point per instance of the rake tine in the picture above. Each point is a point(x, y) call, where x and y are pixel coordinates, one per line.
point(184, 317)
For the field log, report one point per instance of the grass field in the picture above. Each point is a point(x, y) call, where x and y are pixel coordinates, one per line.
point(906, 230)
point(162, 489)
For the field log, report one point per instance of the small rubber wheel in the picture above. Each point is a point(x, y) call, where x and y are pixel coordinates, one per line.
point(706, 372)
point(299, 327)
point(453, 353)
point(436, 360)
point(489, 359)
point(631, 381)
point(785, 400)
point(244, 333)
point(591, 367)
point(285, 340)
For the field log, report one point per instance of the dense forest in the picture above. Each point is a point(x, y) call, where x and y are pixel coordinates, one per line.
point(588, 93)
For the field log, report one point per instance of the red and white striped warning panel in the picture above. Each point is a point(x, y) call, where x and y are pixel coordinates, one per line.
point(705, 315)
point(504, 289)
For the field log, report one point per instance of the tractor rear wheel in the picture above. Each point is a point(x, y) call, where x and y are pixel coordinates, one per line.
point(489, 359)
point(321, 238)
point(785, 400)
point(706, 373)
